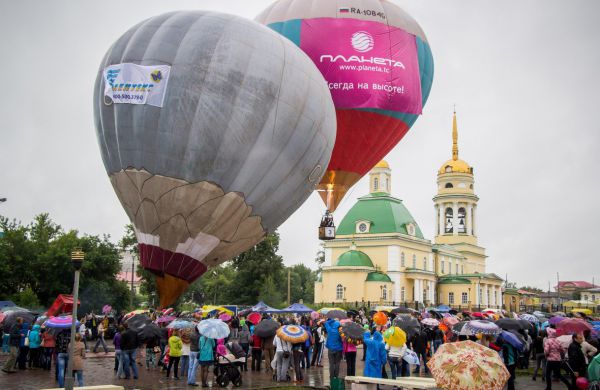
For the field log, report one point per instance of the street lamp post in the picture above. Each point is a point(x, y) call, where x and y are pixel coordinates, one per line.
point(77, 256)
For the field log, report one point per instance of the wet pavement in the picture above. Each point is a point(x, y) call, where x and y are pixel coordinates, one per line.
point(99, 371)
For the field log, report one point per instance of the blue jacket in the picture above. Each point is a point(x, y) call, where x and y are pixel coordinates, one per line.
point(376, 354)
point(334, 340)
point(34, 337)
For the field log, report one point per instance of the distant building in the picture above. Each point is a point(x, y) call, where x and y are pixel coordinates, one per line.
point(129, 266)
point(126, 277)
point(591, 295)
point(380, 254)
point(571, 287)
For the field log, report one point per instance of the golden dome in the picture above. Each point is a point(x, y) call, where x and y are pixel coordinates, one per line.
point(382, 164)
point(455, 166)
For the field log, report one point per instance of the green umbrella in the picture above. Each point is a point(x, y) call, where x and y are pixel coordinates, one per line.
point(594, 369)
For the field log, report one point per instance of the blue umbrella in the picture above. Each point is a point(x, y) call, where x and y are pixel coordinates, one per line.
point(512, 339)
point(297, 308)
point(213, 329)
point(443, 308)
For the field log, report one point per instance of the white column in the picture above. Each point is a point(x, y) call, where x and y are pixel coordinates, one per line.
point(474, 219)
point(441, 225)
point(488, 294)
point(469, 220)
point(455, 218)
point(431, 292)
point(419, 290)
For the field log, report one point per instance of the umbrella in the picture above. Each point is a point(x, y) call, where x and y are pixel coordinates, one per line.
point(481, 326)
point(512, 339)
point(297, 308)
point(565, 341)
point(450, 321)
point(266, 328)
point(181, 324)
point(38, 321)
point(555, 320)
point(292, 333)
point(380, 318)
point(168, 311)
point(411, 357)
point(213, 329)
point(394, 336)
point(430, 322)
point(339, 314)
point(254, 318)
point(594, 369)
point(530, 318)
point(458, 328)
point(10, 318)
point(573, 325)
point(510, 323)
point(467, 365)
point(106, 309)
point(149, 332)
point(477, 314)
point(244, 312)
point(352, 332)
point(225, 317)
point(351, 313)
point(436, 314)
point(138, 322)
point(443, 308)
point(314, 315)
point(165, 319)
point(408, 324)
point(401, 310)
point(62, 322)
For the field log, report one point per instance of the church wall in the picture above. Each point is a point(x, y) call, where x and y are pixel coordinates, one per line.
point(352, 280)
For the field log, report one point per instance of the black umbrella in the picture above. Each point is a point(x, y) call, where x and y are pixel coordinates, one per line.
point(401, 310)
point(149, 332)
point(408, 324)
point(266, 328)
point(340, 315)
point(436, 314)
point(512, 324)
point(10, 318)
point(245, 312)
point(352, 332)
point(138, 322)
point(453, 312)
point(351, 313)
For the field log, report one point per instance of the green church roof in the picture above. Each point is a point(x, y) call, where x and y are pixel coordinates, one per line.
point(386, 214)
point(453, 280)
point(354, 258)
point(378, 277)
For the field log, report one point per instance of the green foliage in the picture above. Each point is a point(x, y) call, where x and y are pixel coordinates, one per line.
point(302, 284)
point(532, 289)
point(26, 298)
point(270, 293)
point(35, 264)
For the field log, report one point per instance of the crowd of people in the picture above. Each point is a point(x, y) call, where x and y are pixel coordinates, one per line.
point(178, 353)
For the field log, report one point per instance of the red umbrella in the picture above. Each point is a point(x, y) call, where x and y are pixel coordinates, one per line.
point(477, 314)
point(573, 325)
point(254, 318)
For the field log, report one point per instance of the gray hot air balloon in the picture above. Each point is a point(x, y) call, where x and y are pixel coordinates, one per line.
point(213, 130)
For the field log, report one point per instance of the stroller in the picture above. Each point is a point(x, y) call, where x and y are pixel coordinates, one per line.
point(228, 370)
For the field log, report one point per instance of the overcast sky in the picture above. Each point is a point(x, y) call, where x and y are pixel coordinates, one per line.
point(524, 76)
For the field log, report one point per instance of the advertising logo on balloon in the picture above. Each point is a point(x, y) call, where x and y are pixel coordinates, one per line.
point(136, 84)
point(362, 41)
point(360, 72)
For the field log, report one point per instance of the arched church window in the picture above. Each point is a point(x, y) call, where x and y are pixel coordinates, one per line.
point(449, 228)
point(384, 294)
point(402, 264)
point(375, 184)
point(449, 185)
point(414, 261)
point(448, 168)
point(339, 292)
point(462, 223)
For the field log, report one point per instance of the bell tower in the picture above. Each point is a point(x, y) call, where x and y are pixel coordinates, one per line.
point(380, 179)
point(455, 202)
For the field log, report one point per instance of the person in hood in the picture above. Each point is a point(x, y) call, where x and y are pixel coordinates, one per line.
point(376, 354)
point(554, 352)
point(334, 347)
point(35, 341)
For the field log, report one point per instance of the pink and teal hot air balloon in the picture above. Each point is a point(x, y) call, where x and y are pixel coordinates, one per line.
point(379, 69)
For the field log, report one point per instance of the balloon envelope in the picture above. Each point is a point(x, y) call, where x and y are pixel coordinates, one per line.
point(378, 66)
point(213, 129)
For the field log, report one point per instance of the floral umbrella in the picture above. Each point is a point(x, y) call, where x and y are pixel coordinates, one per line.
point(165, 319)
point(339, 314)
point(466, 365)
point(292, 333)
point(181, 324)
point(450, 321)
point(481, 326)
point(430, 322)
point(254, 318)
point(352, 332)
point(530, 318)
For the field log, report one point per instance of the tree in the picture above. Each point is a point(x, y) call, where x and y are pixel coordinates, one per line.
point(532, 289)
point(270, 293)
point(302, 283)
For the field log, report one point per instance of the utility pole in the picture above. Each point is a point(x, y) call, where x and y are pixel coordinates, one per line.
point(558, 288)
point(132, 289)
point(289, 287)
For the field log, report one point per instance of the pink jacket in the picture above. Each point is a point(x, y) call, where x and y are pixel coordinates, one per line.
point(553, 350)
point(348, 347)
